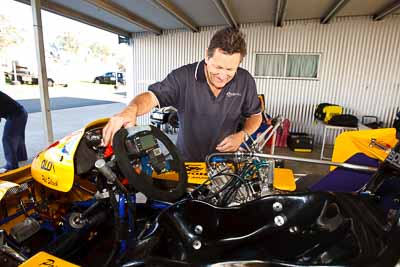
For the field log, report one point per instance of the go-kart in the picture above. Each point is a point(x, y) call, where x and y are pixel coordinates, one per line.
point(134, 204)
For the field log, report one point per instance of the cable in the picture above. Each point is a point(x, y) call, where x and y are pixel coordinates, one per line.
point(114, 205)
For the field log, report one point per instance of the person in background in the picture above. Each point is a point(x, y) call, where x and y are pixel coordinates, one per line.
point(210, 95)
point(14, 132)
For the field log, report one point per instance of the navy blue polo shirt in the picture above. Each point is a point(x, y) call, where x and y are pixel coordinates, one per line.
point(205, 120)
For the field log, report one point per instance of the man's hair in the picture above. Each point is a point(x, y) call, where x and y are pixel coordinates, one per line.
point(230, 40)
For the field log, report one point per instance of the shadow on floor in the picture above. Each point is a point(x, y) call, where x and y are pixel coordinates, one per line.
point(33, 105)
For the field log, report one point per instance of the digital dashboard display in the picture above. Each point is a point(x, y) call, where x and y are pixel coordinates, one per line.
point(147, 141)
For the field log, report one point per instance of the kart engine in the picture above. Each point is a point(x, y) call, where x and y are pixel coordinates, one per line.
point(237, 182)
point(237, 178)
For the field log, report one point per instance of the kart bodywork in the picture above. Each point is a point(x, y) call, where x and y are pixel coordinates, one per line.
point(79, 204)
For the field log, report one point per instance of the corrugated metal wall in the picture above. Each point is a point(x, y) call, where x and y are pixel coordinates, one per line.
point(359, 67)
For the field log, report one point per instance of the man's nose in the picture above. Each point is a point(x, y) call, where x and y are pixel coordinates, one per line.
point(222, 75)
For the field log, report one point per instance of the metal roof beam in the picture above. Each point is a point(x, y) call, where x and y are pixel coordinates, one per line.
point(389, 9)
point(335, 8)
point(280, 12)
point(72, 14)
point(176, 13)
point(125, 15)
point(225, 11)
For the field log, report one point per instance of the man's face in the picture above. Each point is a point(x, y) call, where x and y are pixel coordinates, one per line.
point(221, 68)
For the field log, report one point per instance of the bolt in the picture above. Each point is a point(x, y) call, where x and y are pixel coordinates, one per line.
point(280, 220)
point(277, 206)
point(196, 244)
point(198, 229)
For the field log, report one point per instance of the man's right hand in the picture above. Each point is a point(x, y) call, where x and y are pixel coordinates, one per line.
point(124, 119)
point(140, 105)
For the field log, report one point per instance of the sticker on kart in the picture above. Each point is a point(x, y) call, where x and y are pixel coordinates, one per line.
point(43, 259)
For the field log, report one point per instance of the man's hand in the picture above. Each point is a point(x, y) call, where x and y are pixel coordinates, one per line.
point(231, 143)
point(126, 118)
point(140, 105)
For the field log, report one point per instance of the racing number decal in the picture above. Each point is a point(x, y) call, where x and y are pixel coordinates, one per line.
point(47, 166)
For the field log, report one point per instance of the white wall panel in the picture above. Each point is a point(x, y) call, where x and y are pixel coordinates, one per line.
point(359, 66)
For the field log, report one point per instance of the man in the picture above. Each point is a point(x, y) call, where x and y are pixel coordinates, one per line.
point(211, 96)
point(14, 132)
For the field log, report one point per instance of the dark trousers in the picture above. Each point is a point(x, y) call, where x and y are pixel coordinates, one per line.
point(14, 140)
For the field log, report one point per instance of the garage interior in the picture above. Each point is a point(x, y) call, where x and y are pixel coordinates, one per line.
point(350, 50)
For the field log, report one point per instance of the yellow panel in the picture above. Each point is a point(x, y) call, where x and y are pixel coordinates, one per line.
point(284, 179)
point(350, 143)
point(18, 176)
point(197, 174)
point(54, 166)
point(45, 259)
point(196, 171)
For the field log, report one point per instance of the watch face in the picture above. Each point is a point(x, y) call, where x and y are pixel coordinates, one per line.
point(246, 136)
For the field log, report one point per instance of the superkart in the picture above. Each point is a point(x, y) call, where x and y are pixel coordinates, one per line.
point(134, 204)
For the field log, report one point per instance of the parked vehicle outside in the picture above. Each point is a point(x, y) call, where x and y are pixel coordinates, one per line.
point(25, 76)
point(109, 78)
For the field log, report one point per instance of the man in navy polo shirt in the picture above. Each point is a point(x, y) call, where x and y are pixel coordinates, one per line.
point(211, 97)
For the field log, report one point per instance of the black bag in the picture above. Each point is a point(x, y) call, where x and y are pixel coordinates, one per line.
point(300, 142)
point(371, 122)
point(345, 120)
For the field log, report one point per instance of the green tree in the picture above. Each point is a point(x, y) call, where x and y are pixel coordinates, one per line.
point(9, 35)
point(100, 51)
point(64, 48)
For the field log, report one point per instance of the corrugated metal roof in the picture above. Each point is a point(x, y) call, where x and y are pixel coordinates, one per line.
point(155, 17)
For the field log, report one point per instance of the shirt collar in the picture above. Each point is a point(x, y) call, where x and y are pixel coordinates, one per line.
point(199, 74)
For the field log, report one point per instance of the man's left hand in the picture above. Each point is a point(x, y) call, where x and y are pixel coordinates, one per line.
point(231, 143)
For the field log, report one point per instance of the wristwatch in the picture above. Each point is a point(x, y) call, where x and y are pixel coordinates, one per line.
point(246, 136)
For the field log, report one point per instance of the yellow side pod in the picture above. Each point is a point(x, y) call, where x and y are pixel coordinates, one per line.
point(54, 166)
point(350, 143)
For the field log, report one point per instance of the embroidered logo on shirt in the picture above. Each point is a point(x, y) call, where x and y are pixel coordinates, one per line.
point(230, 94)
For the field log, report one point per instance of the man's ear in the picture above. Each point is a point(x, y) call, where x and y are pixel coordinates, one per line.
point(206, 56)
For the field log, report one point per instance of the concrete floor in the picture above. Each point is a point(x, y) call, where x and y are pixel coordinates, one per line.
point(305, 168)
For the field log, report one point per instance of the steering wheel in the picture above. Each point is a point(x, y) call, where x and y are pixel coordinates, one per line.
point(142, 182)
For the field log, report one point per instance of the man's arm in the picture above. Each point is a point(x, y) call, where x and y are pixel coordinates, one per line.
point(233, 141)
point(140, 105)
point(252, 124)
